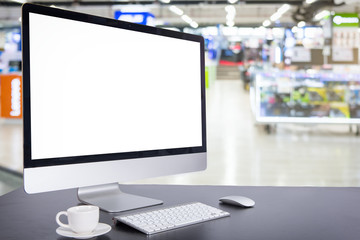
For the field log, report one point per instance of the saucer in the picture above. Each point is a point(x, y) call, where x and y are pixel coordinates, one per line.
point(100, 229)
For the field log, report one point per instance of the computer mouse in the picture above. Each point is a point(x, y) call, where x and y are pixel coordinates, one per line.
point(239, 201)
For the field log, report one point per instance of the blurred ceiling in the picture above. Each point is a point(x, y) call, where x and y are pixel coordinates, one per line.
point(208, 12)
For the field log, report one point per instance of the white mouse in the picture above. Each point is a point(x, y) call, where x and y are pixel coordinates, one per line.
point(238, 201)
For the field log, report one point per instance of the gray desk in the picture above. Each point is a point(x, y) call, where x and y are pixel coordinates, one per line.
point(281, 213)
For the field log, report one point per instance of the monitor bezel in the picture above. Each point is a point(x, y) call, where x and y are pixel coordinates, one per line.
point(55, 12)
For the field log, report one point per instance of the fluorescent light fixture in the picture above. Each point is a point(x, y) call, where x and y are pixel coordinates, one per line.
point(321, 15)
point(194, 24)
point(301, 24)
point(186, 18)
point(275, 16)
point(266, 23)
point(230, 16)
point(230, 23)
point(310, 1)
point(230, 9)
point(283, 9)
point(232, 1)
point(165, 1)
point(176, 10)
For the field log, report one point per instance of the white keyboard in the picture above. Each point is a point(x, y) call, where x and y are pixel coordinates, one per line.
point(169, 218)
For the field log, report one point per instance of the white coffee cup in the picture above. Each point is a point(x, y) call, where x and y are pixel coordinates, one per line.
point(82, 219)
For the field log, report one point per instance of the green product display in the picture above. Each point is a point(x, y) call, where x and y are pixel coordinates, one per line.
point(346, 20)
point(210, 75)
point(207, 77)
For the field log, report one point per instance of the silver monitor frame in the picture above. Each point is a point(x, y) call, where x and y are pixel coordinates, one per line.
point(97, 177)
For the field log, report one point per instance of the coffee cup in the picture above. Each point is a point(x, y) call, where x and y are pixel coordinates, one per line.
point(81, 219)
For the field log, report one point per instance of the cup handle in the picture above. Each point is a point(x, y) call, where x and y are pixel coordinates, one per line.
point(58, 219)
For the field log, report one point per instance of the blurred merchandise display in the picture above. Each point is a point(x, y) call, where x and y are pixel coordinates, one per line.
point(10, 50)
point(299, 97)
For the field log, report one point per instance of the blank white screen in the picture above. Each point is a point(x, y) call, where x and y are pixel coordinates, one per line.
point(97, 89)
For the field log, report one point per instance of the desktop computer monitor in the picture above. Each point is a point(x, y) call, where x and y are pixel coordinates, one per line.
point(107, 101)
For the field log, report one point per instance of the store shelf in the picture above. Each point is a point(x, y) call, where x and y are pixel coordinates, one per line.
point(299, 97)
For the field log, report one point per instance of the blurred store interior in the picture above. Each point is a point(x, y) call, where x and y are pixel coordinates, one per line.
point(282, 78)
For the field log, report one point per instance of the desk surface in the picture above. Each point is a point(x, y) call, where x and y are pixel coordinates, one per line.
point(280, 213)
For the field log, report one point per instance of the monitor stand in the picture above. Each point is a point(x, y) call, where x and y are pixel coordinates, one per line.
point(110, 198)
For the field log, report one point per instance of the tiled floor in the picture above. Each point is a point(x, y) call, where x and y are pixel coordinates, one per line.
point(241, 153)
point(9, 181)
point(11, 139)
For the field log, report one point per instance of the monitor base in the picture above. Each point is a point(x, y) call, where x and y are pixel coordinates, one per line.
point(110, 198)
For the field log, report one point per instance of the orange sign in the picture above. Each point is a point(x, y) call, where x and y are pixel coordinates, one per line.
point(10, 96)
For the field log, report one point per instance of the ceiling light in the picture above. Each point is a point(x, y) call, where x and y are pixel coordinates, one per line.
point(275, 16)
point(301, 24)
point(310, 1)
point(232, 1)
point(194, 24)
point(321, 15)
point(283, 9)
point(165, 1)
point(176, 10)
point(230, 23)
point(187, 19)
point(184, 17)
point(230, 16)
point(230, 9)
point(266, 23)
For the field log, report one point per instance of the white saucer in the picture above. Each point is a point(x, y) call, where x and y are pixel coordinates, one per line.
point(101, 229)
